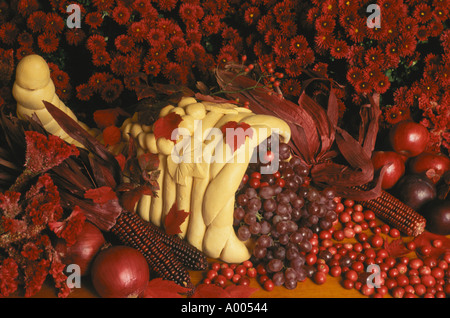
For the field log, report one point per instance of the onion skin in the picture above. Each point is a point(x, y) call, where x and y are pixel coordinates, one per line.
point(437, 214)
point(89, 242)
point(120, 272)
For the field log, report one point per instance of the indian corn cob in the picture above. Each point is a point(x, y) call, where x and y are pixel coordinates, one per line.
point(396, 213)
point(133, 231)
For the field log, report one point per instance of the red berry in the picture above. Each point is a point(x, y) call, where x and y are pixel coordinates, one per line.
point(320, 277)
point(255, 183)
point(268, 285)
point(251, 272)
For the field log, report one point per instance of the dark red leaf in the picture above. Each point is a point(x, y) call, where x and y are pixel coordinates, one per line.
point(235, 134)
point(165, 126)
point(396, 248)
point(112, 135)
point(130, 198)
point(210, 291)
point(240, 291)
point(174, 219)
point(163, 288)
point(100, 195)
point(426, 239)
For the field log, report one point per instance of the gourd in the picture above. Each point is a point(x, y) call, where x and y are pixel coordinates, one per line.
point(32, 86)
point(205, 188)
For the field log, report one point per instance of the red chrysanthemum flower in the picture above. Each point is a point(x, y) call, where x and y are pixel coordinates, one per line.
point(124, 43)
point(252, 15)
point(103, 5)
point(119, 65)
point(23, 51)
point(36, 21)
point(94, 19)
point(155, 36)
point(313, 15)
point(440, 12)
point(408, 25)
point(363, 87)
point(324, 41)
point(48, 42)
point(96, 42)
point(84, 92)
point(60, 78)
point(325, 24)
point(294, 67)
point(265, 23)
point(75, 36)
point(374, 57)
point(211, 24)
point(406, 45)
point(177, 42)
point(138, 31)
point(8, 33)
point(151, 67)
point(132, 82)
point(291, 87)
point(54, 23)
point(167, 5)
point(121, 15)
point(357, 30)
point(185, 56)
point(436, 27)
point(175, 73)
point(26, 7)
point(111, 90)
point(321, 68)
point(394, 114)
point(298, 44)
point(142, 6)
point(281, 46)
point(101, 57)
point(25, 39)
point(339, 49)
point(422, 13)
point(381, 83)
point(190, 11)
point(392, 55)
point(97, 80)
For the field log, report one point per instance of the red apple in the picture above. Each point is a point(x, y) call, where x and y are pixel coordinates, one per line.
point(395, 170)
point(409, 138)
point(432, 164)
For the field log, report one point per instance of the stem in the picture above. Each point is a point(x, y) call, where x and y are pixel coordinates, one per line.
point(242, 89)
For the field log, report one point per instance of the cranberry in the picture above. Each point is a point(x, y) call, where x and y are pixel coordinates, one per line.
point(377, 240)
point(437, 272)
point(416, 263)
point(320, 277)
point(367, 289)
point(348, 284)
point(268, 285)
point(411, 245)
point(398, 292)
point(394, 233)
point(428, 280)
point(335, 271)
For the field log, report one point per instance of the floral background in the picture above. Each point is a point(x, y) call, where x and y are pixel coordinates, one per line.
point(123, 46)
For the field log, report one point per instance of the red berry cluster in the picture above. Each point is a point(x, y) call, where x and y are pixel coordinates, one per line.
point(221, 274)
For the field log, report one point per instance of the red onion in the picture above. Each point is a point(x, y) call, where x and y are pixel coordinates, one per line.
point(120, 272)
point(89, 242)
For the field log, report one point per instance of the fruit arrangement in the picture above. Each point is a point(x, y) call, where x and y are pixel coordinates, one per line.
point(131, 210)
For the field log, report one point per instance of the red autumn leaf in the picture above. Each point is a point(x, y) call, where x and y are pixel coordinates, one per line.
point(148, 161)
point(132, 196)
point(426, 239)
point(164, 126)
point(240, 291)
point(105, 117)
point(100, 195)
point(235, 134)
point(210, 291)
point(163, 288)
point(121, 160)
point(174, 219)
point(112, 135)
point(396, 248)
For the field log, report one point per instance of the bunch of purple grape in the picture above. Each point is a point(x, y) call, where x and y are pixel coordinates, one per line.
point(281, 213)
